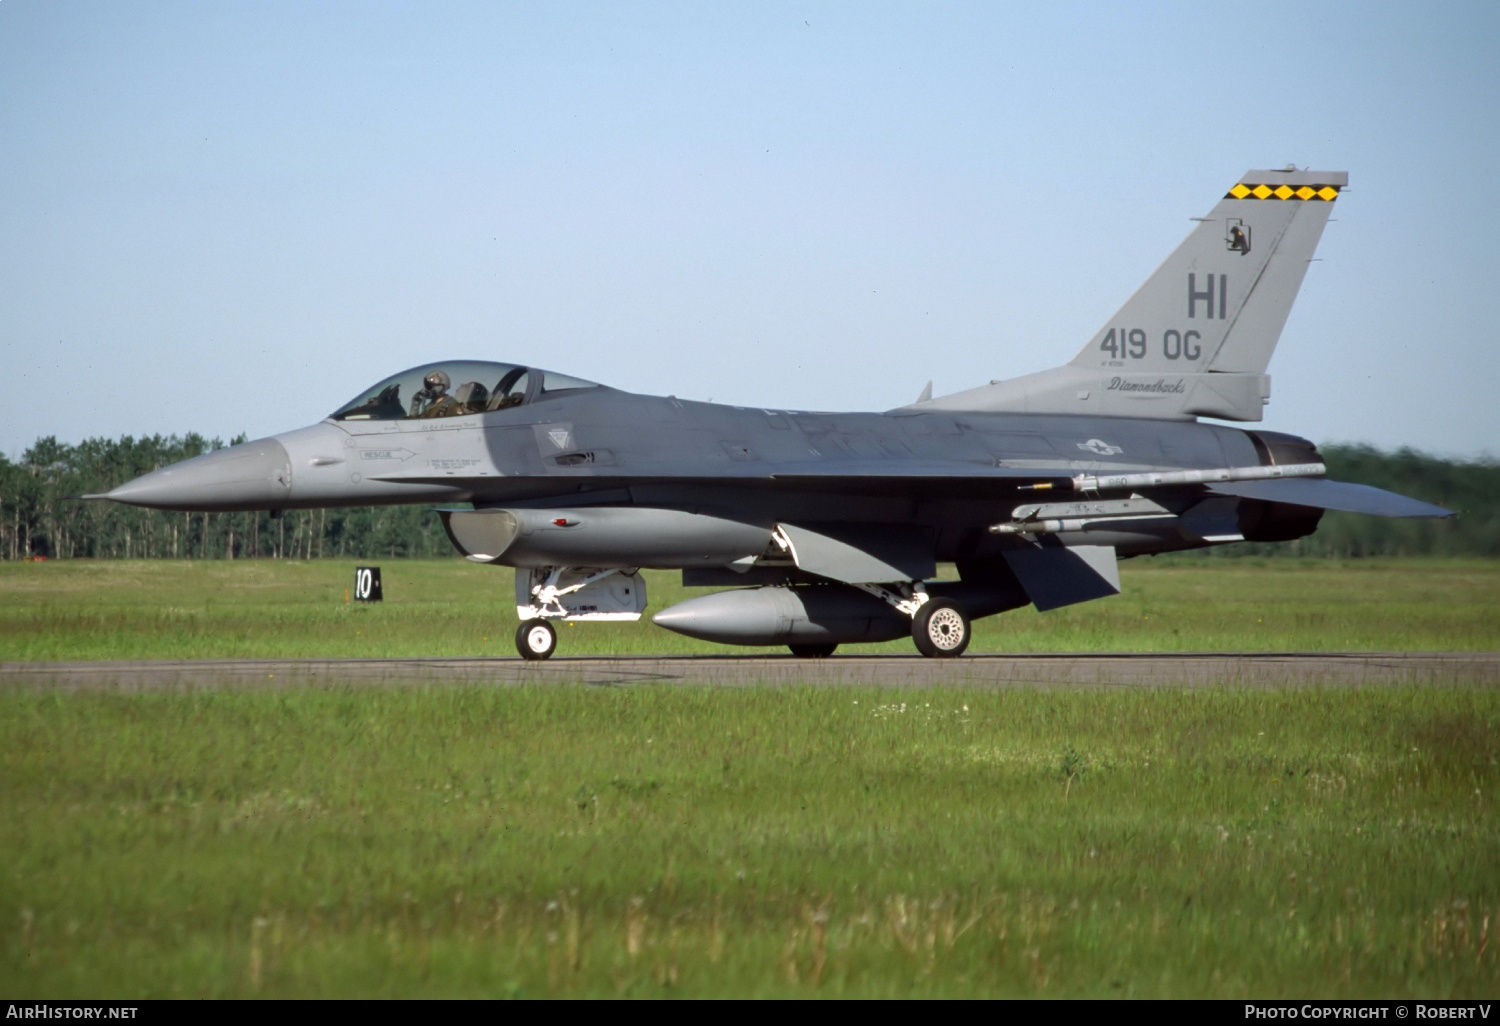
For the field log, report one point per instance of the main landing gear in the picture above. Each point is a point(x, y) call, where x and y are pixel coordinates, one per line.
point(941, 629)
point(939, 626)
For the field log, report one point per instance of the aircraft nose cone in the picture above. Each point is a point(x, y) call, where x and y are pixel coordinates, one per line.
point(255, 475)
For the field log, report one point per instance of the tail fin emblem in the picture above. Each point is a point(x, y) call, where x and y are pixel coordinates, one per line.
point(1238, 237)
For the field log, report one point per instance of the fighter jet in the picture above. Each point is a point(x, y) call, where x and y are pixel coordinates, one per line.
point(827, 528)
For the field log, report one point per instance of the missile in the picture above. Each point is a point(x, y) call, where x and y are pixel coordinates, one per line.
point(1091, 483)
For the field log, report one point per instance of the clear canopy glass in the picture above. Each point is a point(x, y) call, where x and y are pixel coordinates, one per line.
point(454, 388)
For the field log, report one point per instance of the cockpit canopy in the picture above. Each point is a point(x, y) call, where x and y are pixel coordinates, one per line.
point(455, 388)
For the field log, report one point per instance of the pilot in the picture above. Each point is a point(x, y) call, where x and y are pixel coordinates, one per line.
point(433, 399)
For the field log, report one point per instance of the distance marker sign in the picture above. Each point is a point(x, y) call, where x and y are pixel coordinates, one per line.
point(367, 584)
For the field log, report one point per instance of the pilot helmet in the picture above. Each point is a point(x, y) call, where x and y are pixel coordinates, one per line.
point(436, 381)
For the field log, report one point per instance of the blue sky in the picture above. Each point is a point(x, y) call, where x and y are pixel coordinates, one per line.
point(234, 216)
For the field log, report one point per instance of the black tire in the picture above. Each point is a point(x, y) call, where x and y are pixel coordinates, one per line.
point(941, 629)
point(536, 639)
point(813, 651)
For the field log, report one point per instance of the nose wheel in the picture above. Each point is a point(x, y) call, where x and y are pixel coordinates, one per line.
point(940, 629)
point(536, 639)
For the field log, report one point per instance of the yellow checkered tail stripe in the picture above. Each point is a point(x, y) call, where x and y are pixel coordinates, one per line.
point(1262, 191)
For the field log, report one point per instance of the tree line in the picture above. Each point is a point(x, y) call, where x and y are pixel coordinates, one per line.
point(40, 518)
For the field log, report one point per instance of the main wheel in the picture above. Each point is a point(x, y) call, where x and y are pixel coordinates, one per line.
point(813, 651)
point(536, 639)
point(941, 629)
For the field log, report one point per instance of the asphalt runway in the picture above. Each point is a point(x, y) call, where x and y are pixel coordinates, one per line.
point(1184, 670)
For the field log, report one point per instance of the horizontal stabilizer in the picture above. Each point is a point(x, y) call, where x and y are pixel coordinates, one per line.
point(1324, 494)
point(1055, 575)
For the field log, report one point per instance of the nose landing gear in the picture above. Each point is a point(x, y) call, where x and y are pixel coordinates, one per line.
point(574, 594)
point(536, 639)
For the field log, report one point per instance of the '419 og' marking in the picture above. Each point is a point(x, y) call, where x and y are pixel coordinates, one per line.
point(1132, 344)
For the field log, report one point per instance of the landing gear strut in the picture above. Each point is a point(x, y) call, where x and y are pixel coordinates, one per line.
point(813, 651)
point(939, 626)
point(536, 639)
point(573, 594)
point(941, 629)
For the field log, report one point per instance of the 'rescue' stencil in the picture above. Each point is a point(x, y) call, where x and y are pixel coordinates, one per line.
point(553, 438)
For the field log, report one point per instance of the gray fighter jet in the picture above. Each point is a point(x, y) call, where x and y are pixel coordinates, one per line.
point(827, 527)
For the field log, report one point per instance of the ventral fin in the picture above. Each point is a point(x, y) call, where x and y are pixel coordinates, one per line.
point(1056, 575)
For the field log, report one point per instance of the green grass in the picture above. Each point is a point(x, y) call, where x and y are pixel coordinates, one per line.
point(656, 841)
point(135, 610)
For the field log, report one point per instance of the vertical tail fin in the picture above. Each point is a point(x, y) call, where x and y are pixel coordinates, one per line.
point(1196, 338)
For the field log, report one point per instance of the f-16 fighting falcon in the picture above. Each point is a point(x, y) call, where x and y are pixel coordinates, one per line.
point(826, 528)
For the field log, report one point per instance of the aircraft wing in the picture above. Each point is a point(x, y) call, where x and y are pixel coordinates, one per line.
point(874, 470)
point(1320, 493)
point(842, 472)
point(812, 471)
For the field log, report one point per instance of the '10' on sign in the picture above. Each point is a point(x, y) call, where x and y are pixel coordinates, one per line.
point(367, 584)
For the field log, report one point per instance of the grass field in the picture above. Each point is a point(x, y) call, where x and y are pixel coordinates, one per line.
point(170, 610)
point(777, 841)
